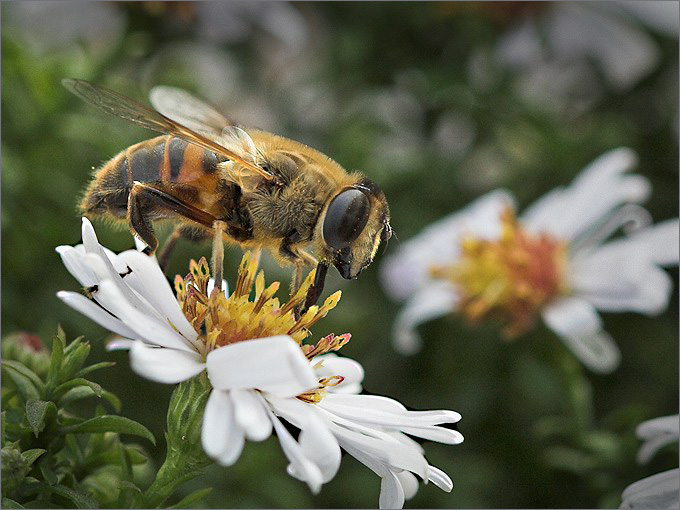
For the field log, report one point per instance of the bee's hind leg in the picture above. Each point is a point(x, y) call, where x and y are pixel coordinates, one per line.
point(149, 202)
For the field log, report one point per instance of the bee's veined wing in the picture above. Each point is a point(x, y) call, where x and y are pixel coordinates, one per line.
point(181, 106)
point(126, 108)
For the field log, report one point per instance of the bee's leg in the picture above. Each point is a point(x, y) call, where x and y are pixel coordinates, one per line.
point(218, 253)
point(146, 202)
point(168, 247)
point(316, 288)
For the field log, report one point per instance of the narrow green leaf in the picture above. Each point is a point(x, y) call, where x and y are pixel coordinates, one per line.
point(3, 429)
point(55, 362)
point(195, 496)
point(73, 383)
point(79, 498)
point(25, 383)
point(49, 475)
point(130, 496)
point(110, 423)
point(37, 413)
point(10, 503)
point(80, 392)
point(74, 360)
point(30, 456)
point(104, 364)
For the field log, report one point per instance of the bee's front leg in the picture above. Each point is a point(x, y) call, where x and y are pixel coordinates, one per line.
point(316, 288)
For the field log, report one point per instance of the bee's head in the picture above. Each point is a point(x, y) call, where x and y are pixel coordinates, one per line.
point(353, 224)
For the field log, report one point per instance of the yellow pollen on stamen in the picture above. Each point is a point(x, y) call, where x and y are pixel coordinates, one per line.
point(510, 278)
point(221, 320)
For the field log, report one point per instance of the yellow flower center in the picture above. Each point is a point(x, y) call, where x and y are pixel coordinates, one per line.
point(220, 320)
point(510, 278)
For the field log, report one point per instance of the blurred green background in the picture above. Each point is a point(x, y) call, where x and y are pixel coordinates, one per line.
point(437, 102)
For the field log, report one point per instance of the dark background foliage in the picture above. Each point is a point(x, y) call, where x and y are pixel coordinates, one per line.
point(439, 103)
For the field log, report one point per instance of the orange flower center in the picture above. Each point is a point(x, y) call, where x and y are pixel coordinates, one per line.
point(510, 278)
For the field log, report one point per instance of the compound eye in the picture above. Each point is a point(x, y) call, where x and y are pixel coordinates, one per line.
point(345, 218)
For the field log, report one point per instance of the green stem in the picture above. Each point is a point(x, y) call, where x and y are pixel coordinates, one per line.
point(185, 458)
point(578, 389)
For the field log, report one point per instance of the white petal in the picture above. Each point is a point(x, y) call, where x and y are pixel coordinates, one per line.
point(620, 277)
point(351, 370)
point(119, 344)
point(434, 300)
point(409, 483)
point(97, 314)
point(151, 283)
point(391, 490)
point(598, 189)
point(440, 479)
point(659, 243)
point(164, 365)
point(378, 444)
point(251, 415)
point(657, 433)
point(300, 466)
point(148, 327)
point(274, 364)
point(658, 491)
point(578, 324)
point(403, 272)
point(572, 315)
point(316, 441)
point(72, 259)
point(222, 438)
point(658, 426)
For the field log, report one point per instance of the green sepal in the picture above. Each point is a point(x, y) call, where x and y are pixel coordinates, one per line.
point(110, 423)
point(39, 413)
point(193, 497)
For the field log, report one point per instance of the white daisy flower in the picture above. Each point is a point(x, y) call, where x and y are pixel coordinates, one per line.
point(660, 490)
point(258, 366)
point(554, 261)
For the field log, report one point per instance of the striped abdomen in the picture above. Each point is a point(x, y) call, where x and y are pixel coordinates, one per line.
point(164, 159)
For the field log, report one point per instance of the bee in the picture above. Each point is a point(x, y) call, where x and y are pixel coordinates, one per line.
point(239, 185)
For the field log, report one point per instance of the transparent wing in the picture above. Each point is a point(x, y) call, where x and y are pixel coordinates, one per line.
point(186, 109)
point(126, 108)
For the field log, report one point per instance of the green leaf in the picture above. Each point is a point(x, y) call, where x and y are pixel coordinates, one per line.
point(10, 503)
point(3, 429)
point(80, 392)
point(110, 423)
point(37, 414)
point(96, 366)
point(28, 383)
point(79, 498)
point(195, 496)
point(49, 475)
point(74, 383)
point(30, 456)
point(130, 496)
point(75, 358)
point(55, 361)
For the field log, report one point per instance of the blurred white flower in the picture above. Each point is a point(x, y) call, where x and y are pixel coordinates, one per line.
point(565, 58)
point(660, 490)
point(258, 367)
point(554, 261)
